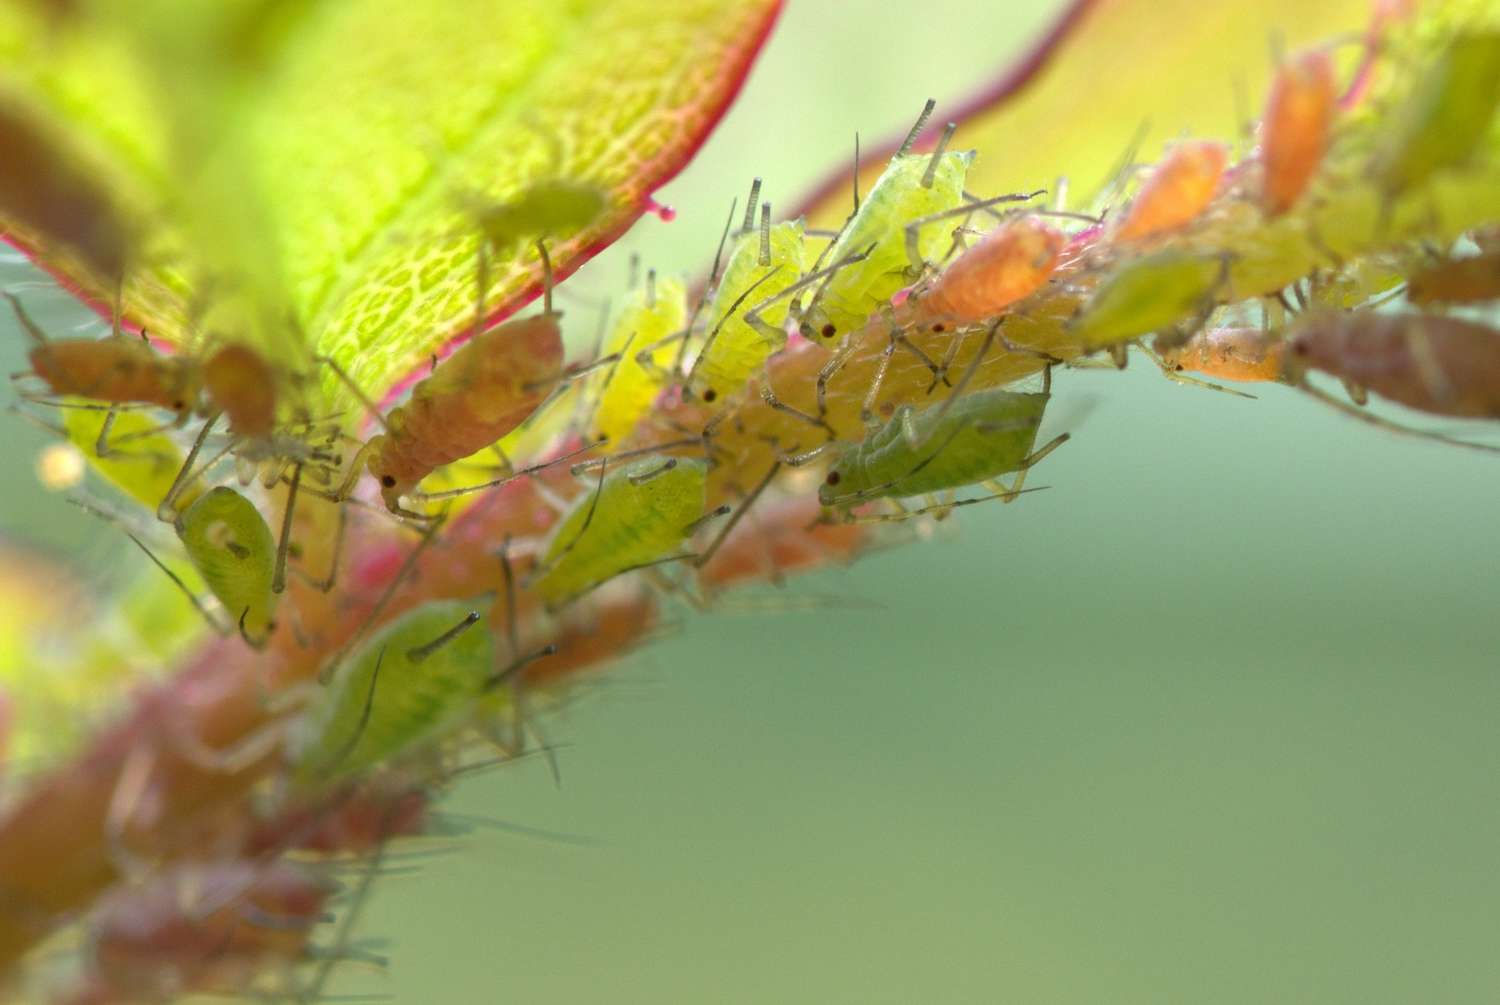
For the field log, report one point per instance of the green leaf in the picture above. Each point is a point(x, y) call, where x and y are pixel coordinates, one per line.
point(303, 176)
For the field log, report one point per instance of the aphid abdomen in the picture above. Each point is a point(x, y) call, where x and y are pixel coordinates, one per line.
point(240, 383)
point(368, 716)
point(1295, 128)
point(898, 197)
point(639, 513)
point(628, 392)
point(233, 549)
point(1149, 294)
point(116, 370)
point(739, 349)
point(1008, 264)
point(988, 433)
point(1177, 192)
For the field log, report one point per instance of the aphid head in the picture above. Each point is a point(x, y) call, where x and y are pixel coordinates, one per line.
point(828, 492)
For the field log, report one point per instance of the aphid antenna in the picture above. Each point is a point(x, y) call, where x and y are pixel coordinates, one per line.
point(867, 406)
point(914, 228)
point(514, 475)
point(325, 674)
point(737, 516)
point(916, 129)
point(748, 224)
point(654, 448)
point(702, 300)
point(29, 326)
point(192, 597)
point(686, 556)
point(714, 334)
point(1395, 427)
point(773, 402)
point(930, 175)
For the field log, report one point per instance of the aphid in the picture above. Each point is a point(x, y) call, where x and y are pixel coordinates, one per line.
point(407, 684)
point(912, 186)
point(1149, 294)
point(767, 261)
point(784, 537)
point(1429, 362)
point(239, 383)
point(230, 545)
point(474, 397)
point(1239, 354)
point(1007, 264)
point(967, 438)
point(1446, 116)
point(1471, 280)
point(649, 316)
point(140, 459)
point(1178, 190)
point(205, 928)
point(550, 208)
point(118, 370)
point(1295, 128)
point(637, 515)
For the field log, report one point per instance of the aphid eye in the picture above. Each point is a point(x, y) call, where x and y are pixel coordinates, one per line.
point(710, 394)
point(1178, 367)
point(389, 481)
point(179, 405)
point(833, 478)
point(829, 331)
point(939, 328)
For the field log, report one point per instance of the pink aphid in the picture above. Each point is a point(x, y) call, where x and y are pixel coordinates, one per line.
point(1008, 264)
point(1177, 192)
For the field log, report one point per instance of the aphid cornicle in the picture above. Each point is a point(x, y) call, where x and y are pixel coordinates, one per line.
point(636, 514)
point(230, 545)
point(1429, 362)
point(1295, 128)
point(967, 439)
point(1007, 264)
point(1177, 192)
point(473, 398)
point(409, 683)
point(911, 187)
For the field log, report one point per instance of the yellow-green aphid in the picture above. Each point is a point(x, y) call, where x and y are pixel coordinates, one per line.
point(626, 391)
point(1446, 117)
point(552, 208)
point(970, 439)
point(762, 263)
point(411, 682)
point(912, 186)
point(141, 461)
point(637, 514)
point(1147, 295)
point(228, 542)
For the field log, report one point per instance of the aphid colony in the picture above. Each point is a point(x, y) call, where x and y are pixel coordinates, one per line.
point(820, 383)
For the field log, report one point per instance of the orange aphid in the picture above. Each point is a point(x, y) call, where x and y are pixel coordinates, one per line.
point(784, 537)
point(1178, 190)
point(117, 370)
point(1241, 354)
point(477, 395)
point(242, 385)
point(1008, 264)
point(1299, 115)
point(1457, 281)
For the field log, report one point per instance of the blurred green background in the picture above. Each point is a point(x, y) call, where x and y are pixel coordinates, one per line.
point(1210, 720)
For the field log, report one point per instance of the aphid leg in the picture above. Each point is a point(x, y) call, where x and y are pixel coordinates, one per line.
point(278, 577)
point(942, 508)
point(1395, 427)
point(713, 279)
point(963, 382)
point(353, 388)
point(769, 397)
point(713, 334)
point(541, 250)
point(797, 460)
point(826, 373)
point(938, 375)
point(739, 514)
point(968, 209)
point(193, 598)
point(166, 511)
point(654, 448)
point(752, 316)
point(867, 406)
point(515, 474)
point(1031, 461)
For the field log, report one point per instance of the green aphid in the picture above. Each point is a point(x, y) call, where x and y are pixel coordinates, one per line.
point(552, 208)
point(626, 391)
point(1446, 117)
point(230, 545)
point(138, 458)
point(913, 186)
point(762, 264)
point(1147, 295)
point(969, 439)
point(637, 514)
point(413, 681)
